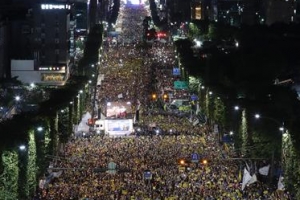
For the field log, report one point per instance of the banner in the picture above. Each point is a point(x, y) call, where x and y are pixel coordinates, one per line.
point(119, 127)
point(280, 185)
point(252, 180)
point(264, 170)
point(246, 178)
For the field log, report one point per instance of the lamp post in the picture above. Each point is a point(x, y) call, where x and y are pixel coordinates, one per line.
point(282, 130)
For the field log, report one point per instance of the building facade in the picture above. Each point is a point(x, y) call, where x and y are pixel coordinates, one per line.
point(4, 59)
point(250, 12)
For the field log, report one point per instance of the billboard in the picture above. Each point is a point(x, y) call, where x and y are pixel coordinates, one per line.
point(119, 127)
point(119, 109)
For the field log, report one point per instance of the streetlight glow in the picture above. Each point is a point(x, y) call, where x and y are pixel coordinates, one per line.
point(236, 107)
point(17, 98)
point(22, 147)
point(257, 116)
point(39, 129)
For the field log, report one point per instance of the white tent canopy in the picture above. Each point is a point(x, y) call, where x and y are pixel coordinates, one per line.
point(83, 125)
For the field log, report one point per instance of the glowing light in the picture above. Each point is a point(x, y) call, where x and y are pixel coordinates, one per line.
point(182, 162)
point(134, 2)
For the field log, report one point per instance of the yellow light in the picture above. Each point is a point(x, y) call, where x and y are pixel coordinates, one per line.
point(165, 96)
point(182, 162)
point(204, 162)
point(153, 96)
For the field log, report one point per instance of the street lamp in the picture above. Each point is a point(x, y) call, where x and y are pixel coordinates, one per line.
point(236, 107)
point(39, 129)
point(283, 131)
point(22, 147)
point(17, 98)
point(32, 85)
point(281, 125)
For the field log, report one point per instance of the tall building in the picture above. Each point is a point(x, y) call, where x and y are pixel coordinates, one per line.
point(179, 10)
point(280, 11)
point(250, 12)
point(37, 37)
point(81, 16)
point(197, 10)
point(4, 61)
point(14, 35)
point(52, 45)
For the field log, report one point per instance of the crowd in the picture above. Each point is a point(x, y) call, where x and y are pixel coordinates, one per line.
point(135, 73)
point(85, 174)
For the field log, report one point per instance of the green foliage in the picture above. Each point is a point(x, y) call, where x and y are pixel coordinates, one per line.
point(244, 133)
point(207, 104)
point(194, 84)
point(32, 165)
point(219, 111)
point(9, 177)
point(64, 124)
point(19, 172)
point(291, 164)
point(212, 33)
point(194, 31)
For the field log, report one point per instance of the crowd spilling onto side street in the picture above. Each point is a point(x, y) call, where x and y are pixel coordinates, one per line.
point(188, 163)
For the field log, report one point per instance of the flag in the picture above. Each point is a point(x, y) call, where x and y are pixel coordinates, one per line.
point(42, 183)
point(264, 170)
point(280, 185)
point(198, 109)
point(196, 122)
point(252, 180)
point(57, 174)
point(247, 166)
point(246, 178)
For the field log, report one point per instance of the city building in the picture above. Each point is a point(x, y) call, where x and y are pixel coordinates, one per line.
point(81, 17)
point(178, 11)
point(52, 46)
point(250, 12)
point(37, 38)
point(4, 61)
point(13, 34)
point(280, 11)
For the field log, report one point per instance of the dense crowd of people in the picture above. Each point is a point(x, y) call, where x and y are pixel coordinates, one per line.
point(148, 167)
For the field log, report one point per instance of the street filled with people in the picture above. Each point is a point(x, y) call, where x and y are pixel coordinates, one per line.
point(168, 157)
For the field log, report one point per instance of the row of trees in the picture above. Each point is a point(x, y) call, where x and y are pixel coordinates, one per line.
point(43, 133)
point(244, 75)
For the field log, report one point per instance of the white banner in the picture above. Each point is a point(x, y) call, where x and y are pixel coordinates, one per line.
point(246, 178)
point(264, 170)
point(280, 185)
